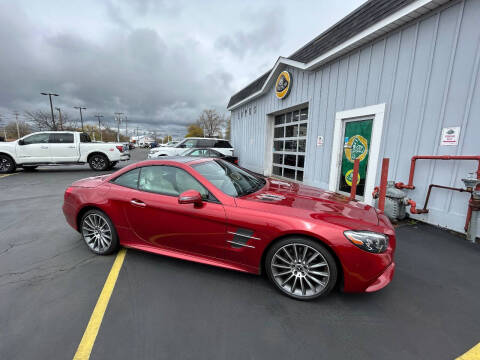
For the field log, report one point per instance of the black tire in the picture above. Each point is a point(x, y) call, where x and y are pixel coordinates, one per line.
point(94, 243)
point(98, 162)
point(29, 168)
point(7, 165)
point(301, 274)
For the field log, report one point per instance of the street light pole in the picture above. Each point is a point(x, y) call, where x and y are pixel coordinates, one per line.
point(81, 118)
point(51, 105)
point(60, 118)
point(16, 120)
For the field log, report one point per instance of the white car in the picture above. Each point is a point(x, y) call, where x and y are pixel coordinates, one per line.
point(60, 147)
point(169, 144)
point(221, 145)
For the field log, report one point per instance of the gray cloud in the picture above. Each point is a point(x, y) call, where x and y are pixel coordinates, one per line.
point(265, 33)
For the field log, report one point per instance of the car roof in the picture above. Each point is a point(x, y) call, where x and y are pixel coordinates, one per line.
point(204, 138)
point(179, 159)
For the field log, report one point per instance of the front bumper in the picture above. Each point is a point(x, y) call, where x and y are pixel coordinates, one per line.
point(383, 279)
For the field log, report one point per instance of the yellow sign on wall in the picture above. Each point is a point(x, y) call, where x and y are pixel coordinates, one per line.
point(283, 84)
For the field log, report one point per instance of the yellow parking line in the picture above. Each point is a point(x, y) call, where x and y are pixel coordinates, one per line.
point(5, 175)
point(472, 354)
point(86, 344)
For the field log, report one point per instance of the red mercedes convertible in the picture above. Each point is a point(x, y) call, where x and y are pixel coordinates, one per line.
point(210, 211)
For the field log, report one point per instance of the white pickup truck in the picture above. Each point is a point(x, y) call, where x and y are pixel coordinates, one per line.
point(60, 147)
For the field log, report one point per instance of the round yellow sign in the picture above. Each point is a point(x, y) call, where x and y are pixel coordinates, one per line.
point(349, 176)
point(283, 84)
point(356, 148)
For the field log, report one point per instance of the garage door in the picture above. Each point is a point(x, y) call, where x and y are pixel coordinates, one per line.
point(289, 142)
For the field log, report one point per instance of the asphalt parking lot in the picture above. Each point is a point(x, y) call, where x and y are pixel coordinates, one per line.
point(164, 308)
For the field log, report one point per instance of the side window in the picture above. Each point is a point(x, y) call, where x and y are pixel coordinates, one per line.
point(214, 153)
point(199, 152)
point(205, 143)
point(61, 138)
point(168, 180)
point(129, 179)
point(222, 144)
point(85, 138)
point(37, 139)
point(190, 143)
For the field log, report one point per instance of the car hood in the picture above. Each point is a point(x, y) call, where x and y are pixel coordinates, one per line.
point(305, 201)
point(90, 182)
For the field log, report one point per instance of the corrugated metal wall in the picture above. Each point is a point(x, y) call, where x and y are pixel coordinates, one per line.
point(426, 73)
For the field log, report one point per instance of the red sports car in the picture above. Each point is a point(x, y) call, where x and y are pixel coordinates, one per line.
point(210, 211)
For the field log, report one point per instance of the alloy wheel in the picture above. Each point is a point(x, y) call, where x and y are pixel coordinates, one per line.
point(98, 163)
point(97, 233)
point(5, 165)
point(300, 270)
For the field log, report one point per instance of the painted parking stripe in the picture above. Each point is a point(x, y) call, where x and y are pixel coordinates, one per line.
point(5, 175)
point(472, 354)
point(88, 340)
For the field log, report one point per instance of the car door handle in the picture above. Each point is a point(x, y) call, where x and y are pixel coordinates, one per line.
point(137, 203)
point(43, 147)
point(72, 147)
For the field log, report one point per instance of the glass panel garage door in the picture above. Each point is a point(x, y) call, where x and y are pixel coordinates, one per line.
point(289, 141)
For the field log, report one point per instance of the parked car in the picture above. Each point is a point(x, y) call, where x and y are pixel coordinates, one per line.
point(60, 147)
point(170, 143)
point(131, 146)
point(210, 211)
point(209, 153)
point(220, 145)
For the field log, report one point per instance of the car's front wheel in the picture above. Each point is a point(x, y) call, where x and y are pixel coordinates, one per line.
point(7, 165)
point(98, 162)
point(99, 233)
point(301, 268)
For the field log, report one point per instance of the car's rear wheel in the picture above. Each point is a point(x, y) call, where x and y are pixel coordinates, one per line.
point(301, 268)
point(7, 165)
point(98, 162)
point(99, 233)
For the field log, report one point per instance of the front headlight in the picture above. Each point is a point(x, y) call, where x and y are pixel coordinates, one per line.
point(368, 241)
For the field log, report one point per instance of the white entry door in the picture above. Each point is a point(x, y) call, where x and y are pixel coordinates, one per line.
point(357, 135)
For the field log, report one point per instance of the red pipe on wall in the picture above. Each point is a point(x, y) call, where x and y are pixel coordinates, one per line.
point(353, 189)
point(383, 184)
point(401, 185)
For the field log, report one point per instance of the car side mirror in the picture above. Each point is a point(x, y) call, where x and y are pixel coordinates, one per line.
point(190, 197)
point(21, 142)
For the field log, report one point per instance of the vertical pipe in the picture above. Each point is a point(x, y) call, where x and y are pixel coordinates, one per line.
point(383, 184)
point(353, 189)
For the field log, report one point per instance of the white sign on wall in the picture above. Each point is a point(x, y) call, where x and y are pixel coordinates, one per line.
point(319, 140)
point(450, 136)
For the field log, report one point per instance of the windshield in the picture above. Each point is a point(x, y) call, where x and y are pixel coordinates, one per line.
point(229, 178)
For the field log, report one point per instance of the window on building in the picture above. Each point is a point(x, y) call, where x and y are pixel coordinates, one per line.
point(289, 143)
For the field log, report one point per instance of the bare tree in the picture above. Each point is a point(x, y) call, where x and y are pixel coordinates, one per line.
point(211, 123)
point(42, 120)
point(11, 129)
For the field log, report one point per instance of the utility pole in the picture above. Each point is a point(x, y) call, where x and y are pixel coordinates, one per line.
point(119, 119)
point(98, 116)
point(51, 105)
point(16, 120)
point(4, 129)
point(81, 118)
point(126, 128)
point(60, 118)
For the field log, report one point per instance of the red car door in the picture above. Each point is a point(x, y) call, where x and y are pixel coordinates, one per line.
point(157, 219)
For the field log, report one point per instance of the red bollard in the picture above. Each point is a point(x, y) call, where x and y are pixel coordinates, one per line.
point(353, 189)
point(383, 184)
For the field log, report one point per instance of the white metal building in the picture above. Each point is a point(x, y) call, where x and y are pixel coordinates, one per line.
point(395, 78)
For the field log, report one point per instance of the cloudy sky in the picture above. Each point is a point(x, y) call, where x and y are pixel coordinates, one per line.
point(159, 61)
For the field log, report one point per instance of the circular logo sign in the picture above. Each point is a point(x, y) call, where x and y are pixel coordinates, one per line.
point(356, 148)
point(349, 176)
point(283, 84)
